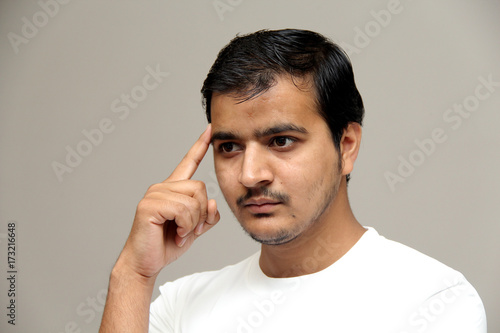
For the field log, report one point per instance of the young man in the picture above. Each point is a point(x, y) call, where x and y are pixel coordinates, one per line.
point(285, 118)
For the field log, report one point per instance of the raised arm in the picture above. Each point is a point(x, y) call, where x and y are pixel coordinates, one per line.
point(168, 219)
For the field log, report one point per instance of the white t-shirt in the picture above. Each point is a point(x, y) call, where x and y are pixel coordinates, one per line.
point(378, 286)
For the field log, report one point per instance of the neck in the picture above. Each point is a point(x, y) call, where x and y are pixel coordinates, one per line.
point(325, 242)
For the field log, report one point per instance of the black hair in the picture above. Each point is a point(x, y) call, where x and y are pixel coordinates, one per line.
point(250, 64)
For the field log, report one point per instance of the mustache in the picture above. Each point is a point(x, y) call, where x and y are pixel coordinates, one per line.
point(265, 192)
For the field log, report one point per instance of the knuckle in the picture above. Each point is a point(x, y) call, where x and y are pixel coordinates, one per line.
point(196, 204)
point(187, 200)
point(186, 214)
point(153, 188)
point(181, 208)
point(200, 186)
point(144, 205)
point(178, 207)
point(194, 207)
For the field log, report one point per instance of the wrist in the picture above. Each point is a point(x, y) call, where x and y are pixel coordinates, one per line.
point(128, 300)
point(123, 271)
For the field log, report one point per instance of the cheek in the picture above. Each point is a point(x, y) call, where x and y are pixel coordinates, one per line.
point(225, 177)
point(295, 179)
point(307, 176)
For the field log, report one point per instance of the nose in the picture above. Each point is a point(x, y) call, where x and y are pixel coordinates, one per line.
point(256, 170)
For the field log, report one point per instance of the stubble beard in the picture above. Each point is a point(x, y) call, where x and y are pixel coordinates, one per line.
point(284, 236)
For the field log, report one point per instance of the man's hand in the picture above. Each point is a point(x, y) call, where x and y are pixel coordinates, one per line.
point(171, 215)
point(167, 221)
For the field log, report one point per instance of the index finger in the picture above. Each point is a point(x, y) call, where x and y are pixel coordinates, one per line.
point(189, 164)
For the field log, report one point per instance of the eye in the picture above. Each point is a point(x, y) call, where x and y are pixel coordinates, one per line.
point(228, 147)
point(282, 141)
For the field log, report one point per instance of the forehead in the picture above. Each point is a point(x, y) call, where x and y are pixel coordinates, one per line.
point(285, 102)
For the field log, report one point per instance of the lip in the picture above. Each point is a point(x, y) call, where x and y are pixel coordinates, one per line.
point(261, 205)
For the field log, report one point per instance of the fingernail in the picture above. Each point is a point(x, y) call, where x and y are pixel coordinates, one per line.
point(183, 241)
point(199, 229)
point(207, 129)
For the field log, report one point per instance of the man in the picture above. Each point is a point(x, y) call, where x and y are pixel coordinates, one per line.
point(285, 118)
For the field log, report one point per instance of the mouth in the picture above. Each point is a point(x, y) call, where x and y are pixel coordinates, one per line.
point(261, 205)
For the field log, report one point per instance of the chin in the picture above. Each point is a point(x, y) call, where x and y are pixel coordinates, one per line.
point(266, 232)
point(274, 241)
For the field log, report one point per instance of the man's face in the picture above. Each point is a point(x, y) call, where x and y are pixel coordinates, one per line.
point(275, 161)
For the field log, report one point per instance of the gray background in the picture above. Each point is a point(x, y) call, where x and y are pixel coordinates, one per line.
point(64, 78)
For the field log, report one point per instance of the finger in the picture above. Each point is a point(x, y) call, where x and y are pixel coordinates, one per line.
point(194, 189)
point(213, 213)
point(187, 167)
point(209, 218)
point(207, 226)
point(213, 217)
point(188, 240)
point(183, 211)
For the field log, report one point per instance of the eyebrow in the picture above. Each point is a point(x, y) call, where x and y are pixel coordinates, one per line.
point(277, 129)
point(280, 128)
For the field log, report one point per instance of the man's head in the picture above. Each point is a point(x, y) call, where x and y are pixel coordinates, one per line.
point(250, 65)
point(286, 117)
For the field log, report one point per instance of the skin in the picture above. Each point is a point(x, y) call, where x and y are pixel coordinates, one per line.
point(279, 172)
point(168, 219)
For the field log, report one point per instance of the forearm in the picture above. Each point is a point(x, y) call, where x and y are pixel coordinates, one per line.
point(127, 303)
point(168, 219)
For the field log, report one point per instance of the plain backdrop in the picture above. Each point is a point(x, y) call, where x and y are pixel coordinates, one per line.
point(66, 69)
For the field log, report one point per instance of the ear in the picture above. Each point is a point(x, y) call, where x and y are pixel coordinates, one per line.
point(349, 147)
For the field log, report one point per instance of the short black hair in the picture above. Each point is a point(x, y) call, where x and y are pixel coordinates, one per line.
point(250, 64)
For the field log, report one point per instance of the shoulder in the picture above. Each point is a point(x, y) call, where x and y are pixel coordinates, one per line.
point(399, 257)
point(196, 284)
point(180, 297)
point(442, 296)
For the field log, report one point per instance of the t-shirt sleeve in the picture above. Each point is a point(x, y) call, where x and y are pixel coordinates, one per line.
point(162, 310)
point(456, 308)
